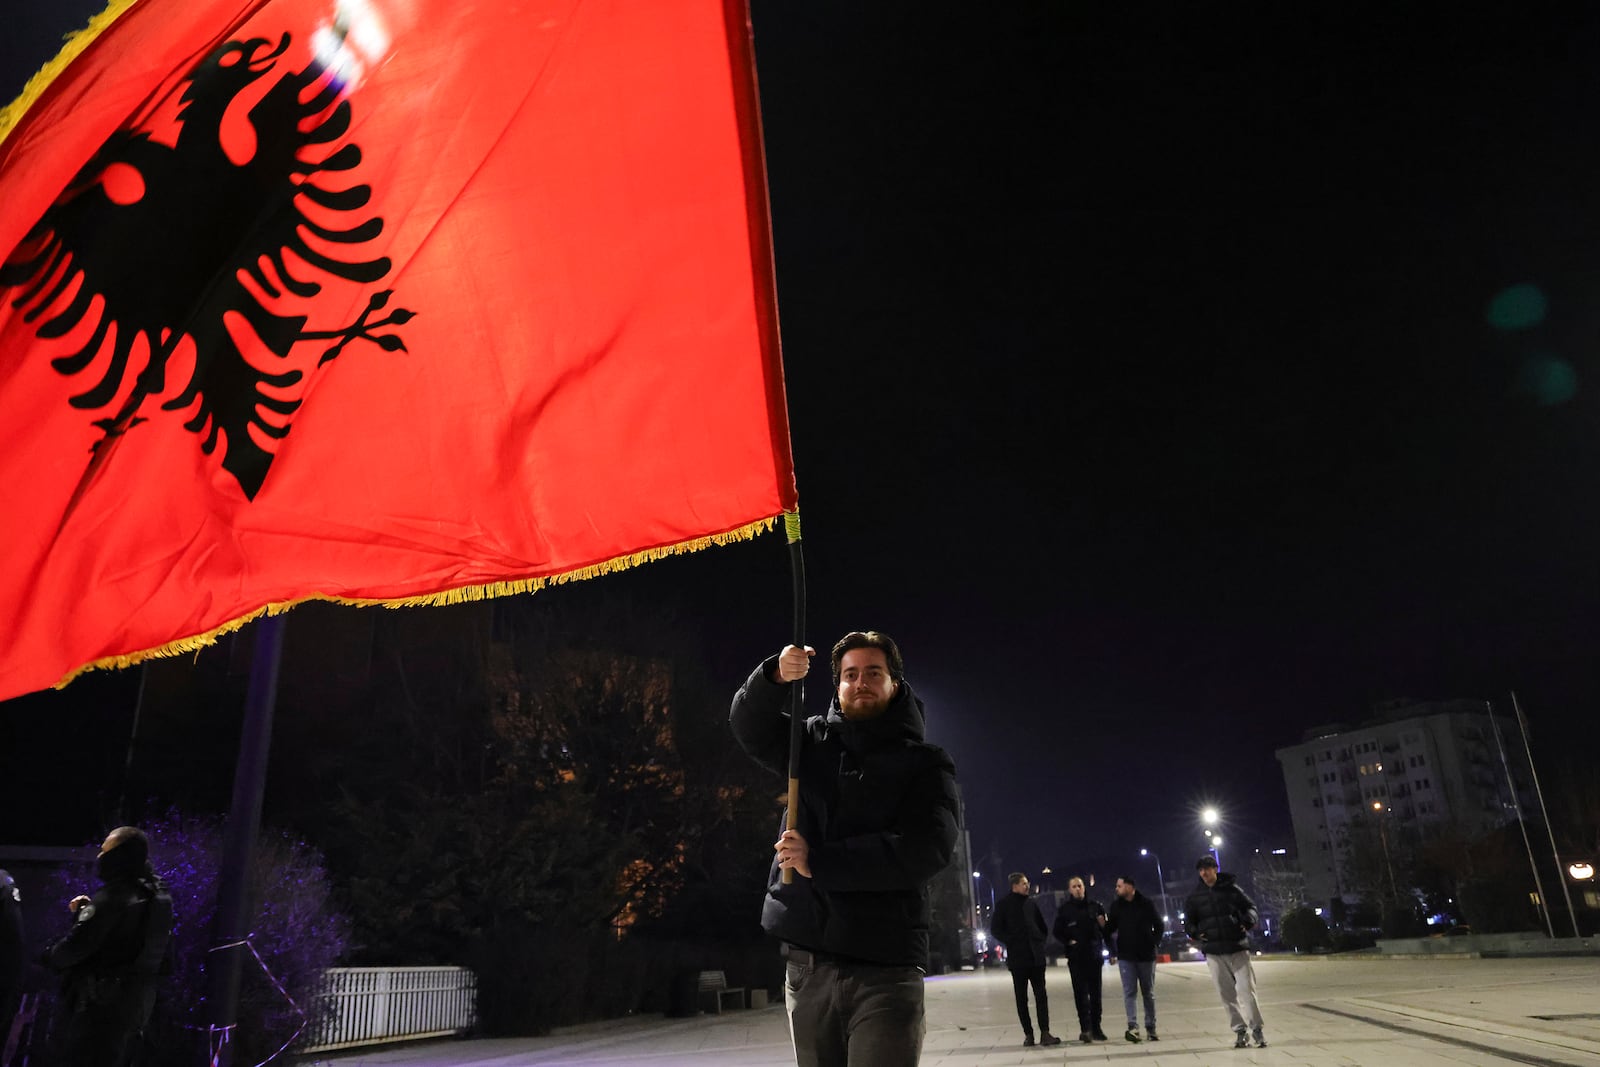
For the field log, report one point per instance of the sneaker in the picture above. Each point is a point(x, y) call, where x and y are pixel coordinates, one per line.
point(1100, 1035)
point(1027, 1042)
point(1150, 1035)
point(1132, 1035)
point(1261, 1039)
point(1085, 1036)
point(1241, 1039)
point(1047, 1038)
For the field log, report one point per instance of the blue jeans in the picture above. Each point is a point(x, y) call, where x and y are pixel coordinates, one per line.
point(1137, 976)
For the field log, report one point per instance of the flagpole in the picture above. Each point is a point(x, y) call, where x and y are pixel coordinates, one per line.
point(797, 708)
point(1522, 824)
point(1538, 792)
point(230, 928)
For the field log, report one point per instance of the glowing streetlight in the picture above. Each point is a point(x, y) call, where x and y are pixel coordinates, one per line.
point(1210, 816)
point(1383, 835)
point(1581, 871)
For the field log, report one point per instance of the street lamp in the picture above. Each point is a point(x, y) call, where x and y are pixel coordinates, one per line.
point(1581, 871)
point(975, 874)
point(1166, 910)
point(1383, 836)
point(1214, 843)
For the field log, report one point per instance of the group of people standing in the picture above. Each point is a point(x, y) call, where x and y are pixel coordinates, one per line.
point(1217, 916)
point(1130, 930)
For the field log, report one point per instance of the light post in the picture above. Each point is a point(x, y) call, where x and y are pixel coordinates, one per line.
point(975, 874)
point(1166, 909)
point(1383, 836)
point(1212, 817)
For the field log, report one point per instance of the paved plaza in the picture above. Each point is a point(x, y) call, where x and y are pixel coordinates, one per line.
point(1320, 1012)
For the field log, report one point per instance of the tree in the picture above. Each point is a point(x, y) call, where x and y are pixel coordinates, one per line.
point(1304, 930)
point(1278, 883)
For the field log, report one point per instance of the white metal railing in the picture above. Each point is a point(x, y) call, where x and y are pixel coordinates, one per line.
point(371, 1005)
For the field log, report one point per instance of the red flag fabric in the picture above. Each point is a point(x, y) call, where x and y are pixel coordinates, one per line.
point(376, 301)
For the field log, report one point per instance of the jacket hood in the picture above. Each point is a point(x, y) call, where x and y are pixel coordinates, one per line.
point(903, 719)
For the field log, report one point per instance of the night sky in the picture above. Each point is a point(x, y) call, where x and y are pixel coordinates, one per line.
point(1171, 380)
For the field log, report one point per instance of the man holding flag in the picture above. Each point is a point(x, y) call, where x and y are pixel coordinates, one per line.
point(877, 819)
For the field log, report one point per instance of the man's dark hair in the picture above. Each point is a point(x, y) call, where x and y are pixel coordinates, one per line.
point(1130, 881)
point(870, 639)
point(1207, 860)
point(1016, 876)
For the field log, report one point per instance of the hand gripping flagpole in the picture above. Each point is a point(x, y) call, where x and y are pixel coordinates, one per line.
point(797, 714)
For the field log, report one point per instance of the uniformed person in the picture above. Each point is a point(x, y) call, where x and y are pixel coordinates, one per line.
point(11, 958)
point(111, 957)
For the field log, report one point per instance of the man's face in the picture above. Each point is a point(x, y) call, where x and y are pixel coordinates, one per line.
point(1124, 890)
point(1075, 888)
point(865, 687)
point(1020, 887)
point(1208, 875)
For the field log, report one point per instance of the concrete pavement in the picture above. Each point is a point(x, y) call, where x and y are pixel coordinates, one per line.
point(1319, 1012)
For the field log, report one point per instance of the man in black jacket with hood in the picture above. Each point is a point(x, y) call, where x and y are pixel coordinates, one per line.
point(877, 821)
point(111, 957)
point(1219, 916)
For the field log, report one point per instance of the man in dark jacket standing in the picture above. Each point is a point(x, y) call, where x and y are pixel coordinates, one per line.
point(1219, 916)
point(113, 954)
point(877, 821)
point(1078, 927)
point(1135, 926)
point(11, 959)
point(1018, 925)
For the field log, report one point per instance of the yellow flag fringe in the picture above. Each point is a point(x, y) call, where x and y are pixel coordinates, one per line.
point(449, 596)
point(73, 47)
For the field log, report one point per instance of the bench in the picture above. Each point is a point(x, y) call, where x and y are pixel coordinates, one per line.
point(715, 984)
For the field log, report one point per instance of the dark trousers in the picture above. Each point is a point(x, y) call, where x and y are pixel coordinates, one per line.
point(1085, 971)
point(1021, 979)
point(104, 1033)
point(846, 1014)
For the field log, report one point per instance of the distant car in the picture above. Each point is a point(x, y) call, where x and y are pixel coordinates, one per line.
point(1179, 949)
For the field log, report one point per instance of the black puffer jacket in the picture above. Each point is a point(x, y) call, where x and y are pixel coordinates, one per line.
point(1219, 916)
point(1137, 926)
point(878, 811)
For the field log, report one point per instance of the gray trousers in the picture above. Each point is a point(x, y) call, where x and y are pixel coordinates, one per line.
point(1236, 982)
point(1138, 975)
point(853, 1014)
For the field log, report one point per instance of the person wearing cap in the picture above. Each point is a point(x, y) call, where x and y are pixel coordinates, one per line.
point(877, 820)
point(1219, 917)
point(114, 952)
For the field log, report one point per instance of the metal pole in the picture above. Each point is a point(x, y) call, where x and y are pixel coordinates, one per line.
point(1166, 908)
point(1516, 806)
point(1522, 722)
point(797, 704)
point(231, 925)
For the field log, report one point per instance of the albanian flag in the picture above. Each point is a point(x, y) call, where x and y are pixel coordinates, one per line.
point(376, 301)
